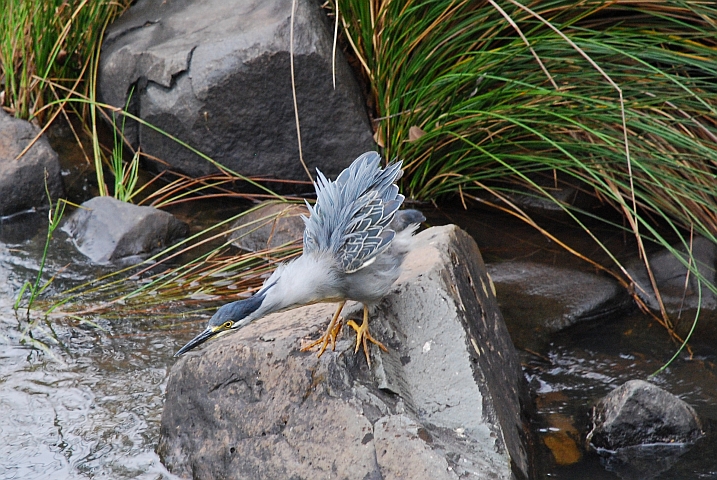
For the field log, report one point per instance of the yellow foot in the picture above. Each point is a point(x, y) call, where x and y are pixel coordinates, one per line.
point(329, 335)
point(363, 335)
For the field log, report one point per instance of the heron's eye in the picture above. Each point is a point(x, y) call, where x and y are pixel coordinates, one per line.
point(228, 324)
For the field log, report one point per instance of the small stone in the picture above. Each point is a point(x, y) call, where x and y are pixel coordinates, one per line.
point(639, 413)
point(108, 230)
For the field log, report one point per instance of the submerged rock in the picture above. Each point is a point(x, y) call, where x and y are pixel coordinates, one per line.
point(639, 413)
point(444, 401)
point(109, 230)
point(216, 75)
point(23, 180)
point(538, 300)
point(679, 290)
point(269, 226)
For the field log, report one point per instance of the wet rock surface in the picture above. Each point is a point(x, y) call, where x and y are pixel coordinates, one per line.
point(108, 230)
point(565, 190)
point(22, 180)
point(685, 297)
point(639, 413)
point(537, 300)
point(445, 399)
point(216, 75)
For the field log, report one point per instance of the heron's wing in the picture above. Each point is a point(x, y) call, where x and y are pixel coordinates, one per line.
point(351, 217)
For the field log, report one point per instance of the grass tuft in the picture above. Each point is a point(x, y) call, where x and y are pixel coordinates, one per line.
point(619, 97)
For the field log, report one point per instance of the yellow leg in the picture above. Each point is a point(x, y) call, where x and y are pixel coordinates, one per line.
point(362, 335)
point(329, 335)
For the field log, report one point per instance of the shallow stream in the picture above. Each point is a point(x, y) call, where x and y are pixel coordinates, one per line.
point(90, 405)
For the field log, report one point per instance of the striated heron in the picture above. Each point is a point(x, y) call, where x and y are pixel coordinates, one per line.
point(355, 240)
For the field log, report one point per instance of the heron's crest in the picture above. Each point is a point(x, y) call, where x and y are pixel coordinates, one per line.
point(352, 214)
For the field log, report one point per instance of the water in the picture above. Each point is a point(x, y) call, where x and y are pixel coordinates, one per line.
point(582, 366)
point(90, 405)
point(577, 367)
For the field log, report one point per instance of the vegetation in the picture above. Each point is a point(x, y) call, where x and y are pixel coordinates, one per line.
point(46, 45)
point(48, 57)
point(508, 97)
point(125, 175)
point(36, 288)
point(199, 269)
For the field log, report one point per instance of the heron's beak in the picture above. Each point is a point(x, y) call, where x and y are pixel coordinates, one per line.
point(199, 339)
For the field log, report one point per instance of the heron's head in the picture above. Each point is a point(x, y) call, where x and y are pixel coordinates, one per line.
point(229, 317)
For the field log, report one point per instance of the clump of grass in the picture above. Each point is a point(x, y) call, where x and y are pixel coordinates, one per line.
point(125, 174)
point(497, 95)
point(49, 40)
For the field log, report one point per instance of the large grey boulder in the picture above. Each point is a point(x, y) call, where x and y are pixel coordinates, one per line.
point(109, 230)
point(443, 403)
point(216, 75)
point(22, 180)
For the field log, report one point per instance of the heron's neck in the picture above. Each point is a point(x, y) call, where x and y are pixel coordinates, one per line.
point(308, 279)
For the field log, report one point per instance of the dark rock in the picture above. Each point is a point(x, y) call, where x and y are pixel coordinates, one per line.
point(22, 180)
point(639, 413)
point(445, 401)
point(269, 226)
point(108, 230)
point(679, 291)
point(537, 299)
point(216, 75)
point(78, 175)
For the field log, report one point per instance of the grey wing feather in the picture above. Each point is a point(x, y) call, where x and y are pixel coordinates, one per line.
point(352, 215)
